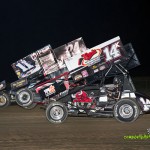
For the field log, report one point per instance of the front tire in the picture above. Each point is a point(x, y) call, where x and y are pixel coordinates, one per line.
point(56, 112)
point(4, 100)
point(126, 110)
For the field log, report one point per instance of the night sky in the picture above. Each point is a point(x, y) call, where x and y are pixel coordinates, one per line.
point(28, 25)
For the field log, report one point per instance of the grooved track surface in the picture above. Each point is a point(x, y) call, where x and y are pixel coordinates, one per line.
point(22, 129)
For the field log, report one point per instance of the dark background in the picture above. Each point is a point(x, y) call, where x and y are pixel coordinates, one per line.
point(28, 25)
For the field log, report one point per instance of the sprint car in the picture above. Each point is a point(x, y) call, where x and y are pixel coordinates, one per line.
point(72, 80)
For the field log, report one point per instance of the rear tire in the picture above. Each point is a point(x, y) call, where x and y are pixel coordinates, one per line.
point(126, 110)
point(4, 100)
point(56, 112)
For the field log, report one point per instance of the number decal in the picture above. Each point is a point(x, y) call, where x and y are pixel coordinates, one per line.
point(73, 48)
point(113, 52)
point(24, 66)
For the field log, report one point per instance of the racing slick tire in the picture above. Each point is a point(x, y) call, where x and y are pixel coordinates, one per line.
point(126, 110)
point(4, 100)
point(56, 112)
point(24, 98)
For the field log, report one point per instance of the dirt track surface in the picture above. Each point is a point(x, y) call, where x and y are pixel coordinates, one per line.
point(22, 129)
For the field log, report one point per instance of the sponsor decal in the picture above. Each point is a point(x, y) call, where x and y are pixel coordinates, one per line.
point(84, 73)
point(49, 91)
point(19, 83)
point(96, 70)
point(86, 57)
point(94, 67)
point(102, 67)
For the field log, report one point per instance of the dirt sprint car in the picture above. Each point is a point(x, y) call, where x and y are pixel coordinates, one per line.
point(73, 80)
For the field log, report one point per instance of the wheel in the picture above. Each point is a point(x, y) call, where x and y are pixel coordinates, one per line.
point(24, 97)
point(56, 112)
point(4, 100)
point(126, 110)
